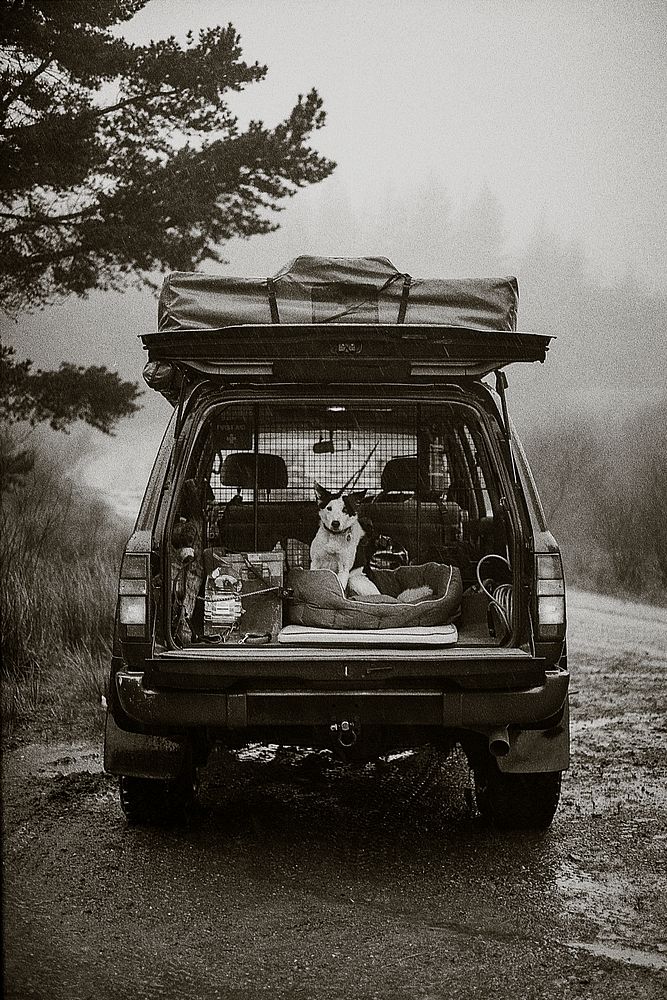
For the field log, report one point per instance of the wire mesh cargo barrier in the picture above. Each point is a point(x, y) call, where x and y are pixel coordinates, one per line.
point(420, 474)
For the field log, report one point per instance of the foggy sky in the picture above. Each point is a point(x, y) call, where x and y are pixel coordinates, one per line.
point(558, 107)
point(471, 138)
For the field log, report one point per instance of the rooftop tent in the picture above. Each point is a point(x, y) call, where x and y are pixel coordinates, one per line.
point(336, 290)
point(335, 319)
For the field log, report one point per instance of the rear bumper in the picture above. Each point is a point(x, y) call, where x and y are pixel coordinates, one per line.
point(261, 707)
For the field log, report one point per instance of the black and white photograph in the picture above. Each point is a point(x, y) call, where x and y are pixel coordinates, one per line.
point(333, 499)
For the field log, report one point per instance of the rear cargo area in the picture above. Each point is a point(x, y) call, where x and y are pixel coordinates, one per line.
point(427, 494)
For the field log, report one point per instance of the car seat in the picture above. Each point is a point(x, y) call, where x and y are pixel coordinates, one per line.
point(394, 511)
point(277, 520)
point(245, 470)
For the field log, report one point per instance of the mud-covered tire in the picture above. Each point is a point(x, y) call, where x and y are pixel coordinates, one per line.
point(157, 802)
point(516, 801)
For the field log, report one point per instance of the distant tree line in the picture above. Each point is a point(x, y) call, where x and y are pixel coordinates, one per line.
point(604, 488)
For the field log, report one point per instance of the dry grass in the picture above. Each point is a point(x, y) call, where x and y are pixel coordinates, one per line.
point(60, 550)
point(603, 487)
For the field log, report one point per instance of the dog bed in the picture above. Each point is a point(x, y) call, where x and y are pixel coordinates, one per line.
point(318, 600)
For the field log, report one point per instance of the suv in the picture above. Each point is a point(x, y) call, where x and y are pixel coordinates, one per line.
point(354, 376)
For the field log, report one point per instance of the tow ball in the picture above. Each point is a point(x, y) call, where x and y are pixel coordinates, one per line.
point(345, 732)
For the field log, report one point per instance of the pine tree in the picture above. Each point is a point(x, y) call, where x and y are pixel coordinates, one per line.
point(118, 160)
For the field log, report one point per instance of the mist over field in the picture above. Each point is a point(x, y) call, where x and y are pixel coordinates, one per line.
point(60, 551)
point(602, 362)
point(470, 140)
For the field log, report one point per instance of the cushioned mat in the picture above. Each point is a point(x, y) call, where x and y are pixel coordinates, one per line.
point(418, 635)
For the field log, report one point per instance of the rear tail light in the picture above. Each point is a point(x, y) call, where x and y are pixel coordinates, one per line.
point(133, 597)
point(550, 591)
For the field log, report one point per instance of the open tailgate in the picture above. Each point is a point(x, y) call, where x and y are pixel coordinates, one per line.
point(334, 319)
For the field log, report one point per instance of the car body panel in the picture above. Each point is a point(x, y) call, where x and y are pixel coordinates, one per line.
point(408, 706)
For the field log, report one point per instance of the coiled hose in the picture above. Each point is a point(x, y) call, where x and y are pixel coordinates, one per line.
point(500, 595)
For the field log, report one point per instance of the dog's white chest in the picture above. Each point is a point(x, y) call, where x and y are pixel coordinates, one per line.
point(337, 543)
point(337, 550)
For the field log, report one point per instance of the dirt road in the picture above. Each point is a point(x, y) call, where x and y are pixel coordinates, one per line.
point(297, 884)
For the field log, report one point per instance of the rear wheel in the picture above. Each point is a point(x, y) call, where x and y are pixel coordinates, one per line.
point(155, 801)
point(516, 801)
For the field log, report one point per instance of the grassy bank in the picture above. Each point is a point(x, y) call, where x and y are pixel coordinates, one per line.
point(60, 550)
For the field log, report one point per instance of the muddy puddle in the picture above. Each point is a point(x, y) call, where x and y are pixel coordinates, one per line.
point(620, 953)
point(51, 759)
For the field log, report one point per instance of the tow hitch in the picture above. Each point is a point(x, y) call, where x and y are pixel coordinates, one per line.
point(346, 732)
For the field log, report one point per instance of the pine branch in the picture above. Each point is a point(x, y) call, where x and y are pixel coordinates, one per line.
point(37, 221)
point(98, 193)
point(12, 95)
point(138, 99)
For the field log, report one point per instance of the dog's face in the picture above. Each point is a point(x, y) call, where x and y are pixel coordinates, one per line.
point(337, 513)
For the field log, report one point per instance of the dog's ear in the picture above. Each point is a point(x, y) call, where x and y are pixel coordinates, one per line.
point(321, 495)
point(352, 500)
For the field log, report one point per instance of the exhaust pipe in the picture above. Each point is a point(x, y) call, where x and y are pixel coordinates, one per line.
point(499, 742)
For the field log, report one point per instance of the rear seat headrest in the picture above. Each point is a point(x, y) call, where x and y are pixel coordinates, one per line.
point(238, 470)
point(400, 476)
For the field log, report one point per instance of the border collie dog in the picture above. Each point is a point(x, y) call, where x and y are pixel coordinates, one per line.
point(336, 545)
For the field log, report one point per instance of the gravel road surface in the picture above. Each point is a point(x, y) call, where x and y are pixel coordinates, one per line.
point(298, 881)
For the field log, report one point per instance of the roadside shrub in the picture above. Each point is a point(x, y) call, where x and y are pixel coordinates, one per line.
point(604, 493)
point(60, 550)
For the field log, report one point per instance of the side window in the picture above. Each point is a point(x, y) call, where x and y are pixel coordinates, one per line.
point(475, 455)
point(458, 463)
point(460, 489)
